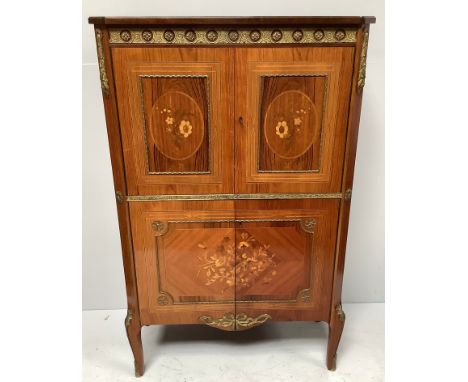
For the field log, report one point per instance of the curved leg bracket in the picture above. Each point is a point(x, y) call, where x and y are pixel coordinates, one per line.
point(133, 328)
point(336, 326)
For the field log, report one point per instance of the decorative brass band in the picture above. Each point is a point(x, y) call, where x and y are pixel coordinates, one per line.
point(101, 63)
point(141, 198)
point(209, 36)
point(363, 63)
point(240, 322)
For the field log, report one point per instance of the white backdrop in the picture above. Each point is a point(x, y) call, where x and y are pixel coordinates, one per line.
point(103, 279)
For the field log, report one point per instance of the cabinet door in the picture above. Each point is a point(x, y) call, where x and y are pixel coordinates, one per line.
point(285, 254)
point(175, 111)
point(292, 108)
point(184, 259)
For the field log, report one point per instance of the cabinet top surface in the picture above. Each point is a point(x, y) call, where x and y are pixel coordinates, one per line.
point(257, 20)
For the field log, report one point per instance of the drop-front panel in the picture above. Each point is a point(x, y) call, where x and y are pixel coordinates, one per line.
point(210, 258)
point(232, 146)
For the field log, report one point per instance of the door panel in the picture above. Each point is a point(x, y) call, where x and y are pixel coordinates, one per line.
point(176, 118)
point(177, 124)
point(285, 258)
point(292, 108)
point(234, 265)
point(184, 259)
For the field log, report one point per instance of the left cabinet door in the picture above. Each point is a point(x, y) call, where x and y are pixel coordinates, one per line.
point(185, 261)
point(176, 118)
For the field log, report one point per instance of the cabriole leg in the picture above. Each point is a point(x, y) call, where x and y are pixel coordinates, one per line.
point(133, 328)
point(335, 326)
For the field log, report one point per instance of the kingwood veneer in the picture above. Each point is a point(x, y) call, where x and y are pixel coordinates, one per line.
point(232, 143)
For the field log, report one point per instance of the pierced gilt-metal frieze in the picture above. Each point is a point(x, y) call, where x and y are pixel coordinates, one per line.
point(230, 322)
point(102, 63)
point(240, 36)
point(363, 63)
point(137, 198)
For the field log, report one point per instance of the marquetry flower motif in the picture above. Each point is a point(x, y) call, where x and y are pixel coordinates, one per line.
point(246, 264)
point(297, 121)
point(282, 129)
point(255, 261)
point(185, 128)
point(218, 263)
point(177, 123)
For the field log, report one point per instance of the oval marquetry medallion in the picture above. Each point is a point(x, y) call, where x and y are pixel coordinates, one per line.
point(177, 125)
point(290, 125)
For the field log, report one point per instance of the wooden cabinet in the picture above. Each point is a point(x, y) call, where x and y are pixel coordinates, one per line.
point(232, 145)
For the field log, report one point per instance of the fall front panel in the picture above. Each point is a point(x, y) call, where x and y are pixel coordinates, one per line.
point(234, 265)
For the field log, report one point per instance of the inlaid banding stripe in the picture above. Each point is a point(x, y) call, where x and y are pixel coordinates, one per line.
point(141, 198)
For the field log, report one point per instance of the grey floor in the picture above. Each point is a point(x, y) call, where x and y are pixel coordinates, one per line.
point(273, 352)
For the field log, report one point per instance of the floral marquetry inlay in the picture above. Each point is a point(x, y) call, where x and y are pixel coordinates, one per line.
point(243, 263)
point(177, 125)
point(291, 117)
point(176, 122)
point(292, 120)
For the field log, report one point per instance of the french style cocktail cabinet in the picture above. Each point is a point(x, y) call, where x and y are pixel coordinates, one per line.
point(232, 143)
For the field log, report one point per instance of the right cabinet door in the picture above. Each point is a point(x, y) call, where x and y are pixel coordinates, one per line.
point(284, 259)
point(292, 109)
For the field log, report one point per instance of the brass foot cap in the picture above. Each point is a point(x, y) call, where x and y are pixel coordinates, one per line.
point(333, 364)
